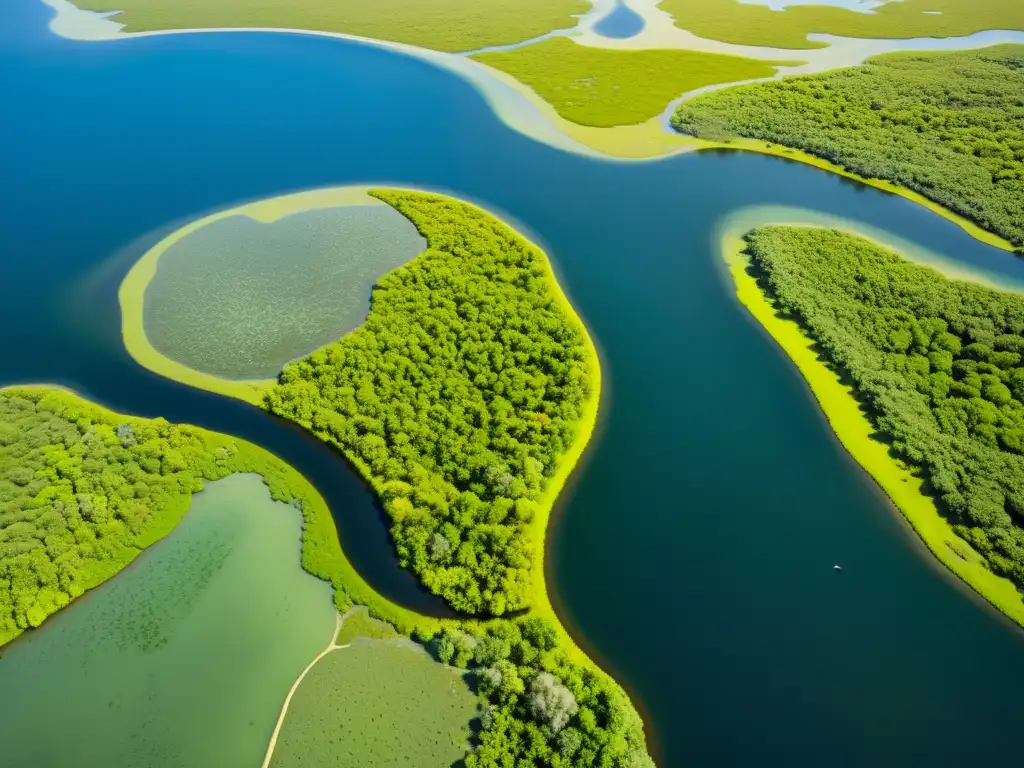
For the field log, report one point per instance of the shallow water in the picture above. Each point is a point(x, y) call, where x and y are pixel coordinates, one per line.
point(239, 298)
point(693, 553)
point(621, 22)
point(181, 660)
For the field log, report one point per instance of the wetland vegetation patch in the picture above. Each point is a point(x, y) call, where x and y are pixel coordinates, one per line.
point(604, 88)
point(181, 660)
point(377, 703)
point(238, 298)
point(744, 23)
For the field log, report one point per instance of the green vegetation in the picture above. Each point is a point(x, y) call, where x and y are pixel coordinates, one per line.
point(949, 126)
point(377, 703)
point(84, 490)
point(239, 298)
point(734, 22)
point(936, 363)
point(445, 25)
point(458, 401)
point(156, 667)
point(540, 706)
point(357, 623)
point(600, 87)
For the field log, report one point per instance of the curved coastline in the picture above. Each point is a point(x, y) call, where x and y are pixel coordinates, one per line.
point(524, 111)
point(132, 291)
point(854, 431)
point(131, 295)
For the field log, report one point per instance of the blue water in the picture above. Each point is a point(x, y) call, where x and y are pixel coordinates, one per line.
point(693, 553)
point(621, 22)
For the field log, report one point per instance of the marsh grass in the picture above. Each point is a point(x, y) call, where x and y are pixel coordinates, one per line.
point(604, 88)
point(376, 704)
point(358, 623)
point(746, 24)
point(444, 25)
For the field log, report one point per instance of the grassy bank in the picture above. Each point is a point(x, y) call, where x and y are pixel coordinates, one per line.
point(856, 432)
point(604, 88)
point(749, 24)
point(443, 25)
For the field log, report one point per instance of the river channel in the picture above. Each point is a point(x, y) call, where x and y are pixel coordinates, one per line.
point(693, 553)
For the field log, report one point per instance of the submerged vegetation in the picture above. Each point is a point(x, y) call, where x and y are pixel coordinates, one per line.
point(949, 126)
point(457, 400)
point(747, 23)
point(238, 298)
point(377, 703)
point(604, 88)
point(936, 362)
point(84, 490)
point(444, 25)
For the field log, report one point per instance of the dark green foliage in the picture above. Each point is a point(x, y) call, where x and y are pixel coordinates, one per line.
point(456, 400)
point(541, 708)
point(82, 492)
point(936, 361)
point(947, 125)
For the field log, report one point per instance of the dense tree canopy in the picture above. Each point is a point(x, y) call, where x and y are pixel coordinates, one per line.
point(457, 400)
point(947, 125)
point(540, 707)
point(82, 492)
point(938, 362)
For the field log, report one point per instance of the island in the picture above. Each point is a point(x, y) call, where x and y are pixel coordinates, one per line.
point(919, 375)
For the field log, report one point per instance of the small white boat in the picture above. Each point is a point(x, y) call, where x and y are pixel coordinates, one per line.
point(836, 568)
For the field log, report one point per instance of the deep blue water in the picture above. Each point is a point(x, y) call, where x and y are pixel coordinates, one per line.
point(621, 22)
point(693, 553)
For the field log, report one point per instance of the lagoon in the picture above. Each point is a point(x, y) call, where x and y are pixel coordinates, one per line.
point(692, 554)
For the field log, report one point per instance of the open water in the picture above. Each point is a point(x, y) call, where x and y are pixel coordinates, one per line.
point(693, 554)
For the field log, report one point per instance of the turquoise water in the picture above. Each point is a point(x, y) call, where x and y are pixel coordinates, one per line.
point(183, 659)
point(239, 298)
point(693, 552)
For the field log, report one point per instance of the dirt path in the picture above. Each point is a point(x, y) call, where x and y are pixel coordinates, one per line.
point(298, 681)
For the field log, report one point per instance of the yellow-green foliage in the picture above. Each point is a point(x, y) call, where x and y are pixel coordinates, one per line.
point(377, 703)
point(359, 623)
point(747, 24)
point(818, 280)
point(458, 400)
point(445, 25)
point(84, 490)
point(603, 88)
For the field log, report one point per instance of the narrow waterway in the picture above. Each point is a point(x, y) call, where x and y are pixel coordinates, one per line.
point(693, 553)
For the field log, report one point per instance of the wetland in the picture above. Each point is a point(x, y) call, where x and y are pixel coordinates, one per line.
point(692, 553)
